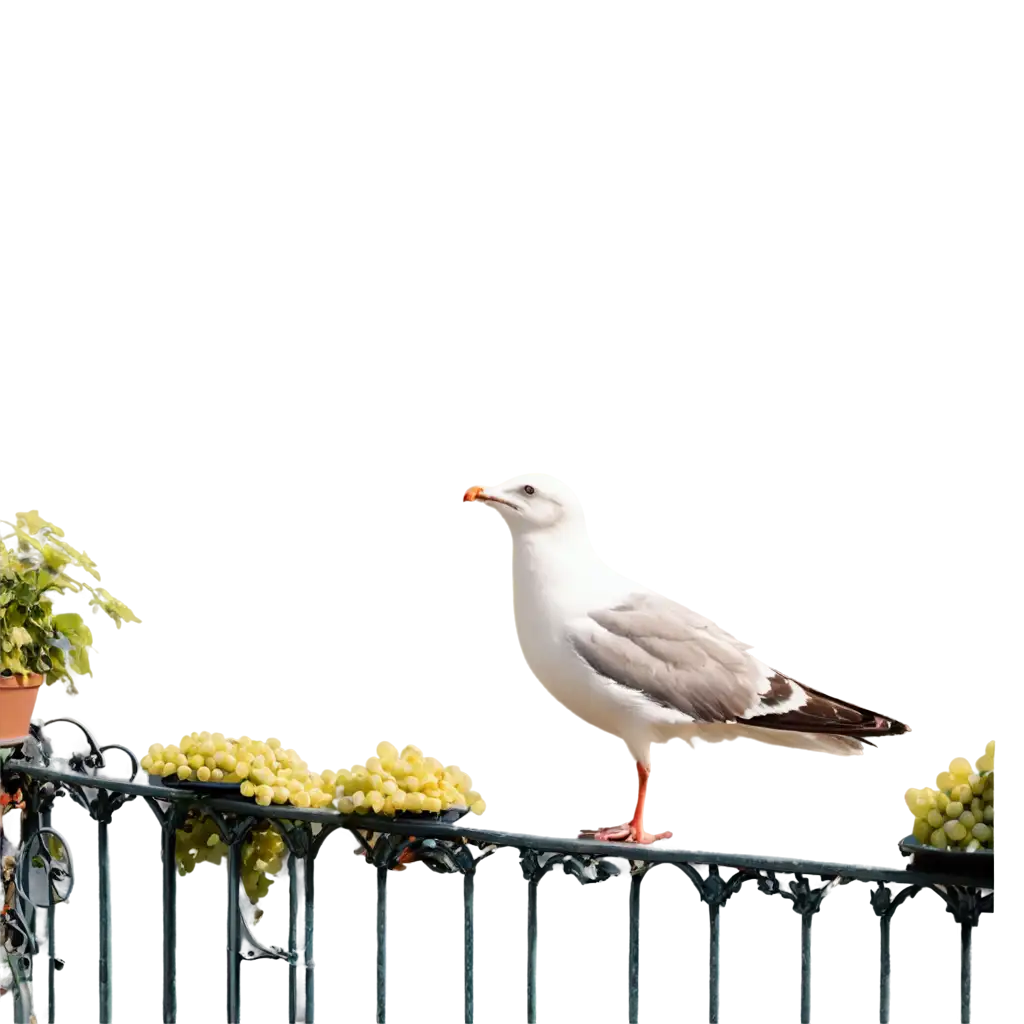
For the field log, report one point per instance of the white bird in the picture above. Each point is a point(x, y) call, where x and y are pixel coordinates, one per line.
point(640, 666)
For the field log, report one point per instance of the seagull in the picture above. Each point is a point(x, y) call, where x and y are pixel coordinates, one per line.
point(640, 666)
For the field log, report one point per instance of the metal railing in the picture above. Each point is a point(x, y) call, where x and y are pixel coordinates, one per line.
point(445, 848)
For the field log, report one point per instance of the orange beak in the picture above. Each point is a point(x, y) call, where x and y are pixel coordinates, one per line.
point(472, 494)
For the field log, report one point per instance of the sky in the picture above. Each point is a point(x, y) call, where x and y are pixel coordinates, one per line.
point(834, 568)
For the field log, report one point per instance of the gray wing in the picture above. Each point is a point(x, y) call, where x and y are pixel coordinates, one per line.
point(680, 660)
point(675, 657)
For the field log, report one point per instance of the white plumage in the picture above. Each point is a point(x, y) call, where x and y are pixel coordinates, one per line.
point(637, 665)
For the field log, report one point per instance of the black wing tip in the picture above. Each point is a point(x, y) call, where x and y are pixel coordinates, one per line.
point(821, 714)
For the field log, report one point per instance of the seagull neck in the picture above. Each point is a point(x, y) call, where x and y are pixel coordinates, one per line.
point(565, 567)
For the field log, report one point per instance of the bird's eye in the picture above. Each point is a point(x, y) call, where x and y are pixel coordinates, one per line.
point(529, 488)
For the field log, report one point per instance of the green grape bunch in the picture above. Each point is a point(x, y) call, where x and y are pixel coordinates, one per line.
point(406, 781)
point(264, 771)
point(961, 813)
point(198, 841)
point(269, 773)
point(263, 851)
point(263, 854)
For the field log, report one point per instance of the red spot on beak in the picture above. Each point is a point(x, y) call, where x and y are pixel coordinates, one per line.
point(472, 494)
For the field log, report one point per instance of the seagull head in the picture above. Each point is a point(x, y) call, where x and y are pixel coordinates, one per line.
point(531, 502)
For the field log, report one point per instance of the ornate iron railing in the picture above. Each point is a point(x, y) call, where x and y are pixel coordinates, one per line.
point(443, 848)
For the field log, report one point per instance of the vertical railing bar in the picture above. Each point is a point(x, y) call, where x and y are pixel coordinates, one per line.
point(884, 969)
point(307, 920)
point(713, 909)
point(293, 913)
point(170, 877)
point(51, 947)
point(467, 906)
point(965, 972)
point(382, 939)
point(531, 953)
point(105, 964)
point(634, 946)
point(805, 968)
point(234, 930)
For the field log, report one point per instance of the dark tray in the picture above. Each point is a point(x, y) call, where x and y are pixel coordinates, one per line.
point(173, 782)
point(226, 788)
point(449, 816)
point(980, 864)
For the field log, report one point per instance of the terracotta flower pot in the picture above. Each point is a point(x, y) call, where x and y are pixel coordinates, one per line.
point(17, 702)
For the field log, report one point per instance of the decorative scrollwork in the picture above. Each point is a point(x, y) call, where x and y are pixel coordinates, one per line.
point(715, 890)
point(584, 867)
point(804, 900)
point(965, 903)
point(43, 850)
point(44, 872)
point(86, 756)
point(884, 904)
point(392, 851)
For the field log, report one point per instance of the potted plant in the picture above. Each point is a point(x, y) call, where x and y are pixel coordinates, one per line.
point(37, 646)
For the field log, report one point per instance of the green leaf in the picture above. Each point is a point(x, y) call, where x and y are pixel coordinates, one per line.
point(20, 636)
point(32, 638)
point(67, 621)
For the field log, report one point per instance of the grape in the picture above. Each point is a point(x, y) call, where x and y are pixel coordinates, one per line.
point(990, 814)
point(968, 820)
point(954, 809)
point(184, 772)
point(945, 781)
point(955, 830)
point(935, 819)
point(982, 831)
point(923, 830)
point(977, 807)
point(478, 806)
point(959, 766)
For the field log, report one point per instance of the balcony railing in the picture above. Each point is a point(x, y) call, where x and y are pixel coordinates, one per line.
point(61, 771)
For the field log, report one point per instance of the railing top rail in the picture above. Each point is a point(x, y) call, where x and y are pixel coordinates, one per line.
point(545, 844)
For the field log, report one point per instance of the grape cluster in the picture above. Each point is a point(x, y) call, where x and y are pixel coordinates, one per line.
point(405, 781)
point(268, 773)
point(197, 841)
point(263, 851)
point(263, 854)
point(960, 814)
point(265, 771)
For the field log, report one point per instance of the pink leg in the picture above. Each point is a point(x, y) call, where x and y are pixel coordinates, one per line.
point(630, 831)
